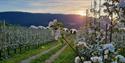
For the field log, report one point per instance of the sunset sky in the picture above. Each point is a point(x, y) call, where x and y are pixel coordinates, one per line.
point(46, 6)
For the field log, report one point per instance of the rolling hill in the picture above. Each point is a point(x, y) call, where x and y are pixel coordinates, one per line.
point(27, 19)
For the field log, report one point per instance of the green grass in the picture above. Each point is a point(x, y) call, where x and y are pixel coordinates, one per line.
point(67, 56)
point(18, 57)
point(46, 56)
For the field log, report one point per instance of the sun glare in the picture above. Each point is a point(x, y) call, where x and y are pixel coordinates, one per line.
point(81, 13)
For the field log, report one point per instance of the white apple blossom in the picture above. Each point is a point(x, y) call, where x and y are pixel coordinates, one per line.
point(104, 20)
point(122, 4)
point(51, 23)
point(77, 59)
point(15, 37)
point(55, 20)
point(73, 31)
point(41, 27)
point(57, 34)
point(65, 29)
point(105, 28)
point(87, 62)
point(105, 56)
point(121, 58)
point(106, 51)
point(33, 27)
point(90, 30)
point(82, 45)
point(96, 59)
point(48, 27)
point(109, 47)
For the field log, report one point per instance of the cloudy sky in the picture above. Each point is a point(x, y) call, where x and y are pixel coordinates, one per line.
point(46, 6)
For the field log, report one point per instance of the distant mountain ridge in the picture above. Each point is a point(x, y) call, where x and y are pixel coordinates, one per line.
point(27, 19)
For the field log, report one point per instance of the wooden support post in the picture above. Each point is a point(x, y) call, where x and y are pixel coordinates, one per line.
point(0, 54)
point(111, 34)
point(20, 49)
point(15, 50)
point(111, 25)
point(103, 56)
point(8, 50)
point(106, 33)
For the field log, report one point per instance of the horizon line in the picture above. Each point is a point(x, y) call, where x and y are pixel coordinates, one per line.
point(43, 13)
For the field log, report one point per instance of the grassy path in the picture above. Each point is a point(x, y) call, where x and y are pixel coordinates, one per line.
point(51, 56)
point(19, 57)
point(38, 55)
point(55, 56)
point(67, 56)
point(46, 56)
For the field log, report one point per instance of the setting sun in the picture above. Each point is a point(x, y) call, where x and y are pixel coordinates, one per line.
point(81, 13)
